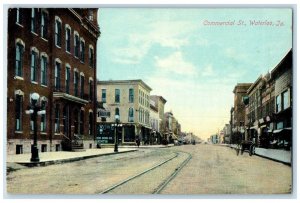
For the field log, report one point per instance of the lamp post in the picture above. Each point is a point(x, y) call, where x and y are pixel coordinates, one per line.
point(117, 118)
point(35, 110)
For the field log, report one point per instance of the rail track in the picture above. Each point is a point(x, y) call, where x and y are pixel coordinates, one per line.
point(162, 183)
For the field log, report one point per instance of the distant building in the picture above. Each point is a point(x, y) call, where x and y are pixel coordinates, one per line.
point(130, 100)
point(159, 104)
point(238, 122)
point(52, 52)
point(155, 137)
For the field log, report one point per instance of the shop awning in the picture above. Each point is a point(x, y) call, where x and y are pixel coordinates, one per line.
point(277, 131)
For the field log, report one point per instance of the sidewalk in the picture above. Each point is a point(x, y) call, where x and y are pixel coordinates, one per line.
point(48, 158)
point(279, 155)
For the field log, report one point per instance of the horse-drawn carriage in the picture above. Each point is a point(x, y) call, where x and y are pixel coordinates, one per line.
point(246, 145)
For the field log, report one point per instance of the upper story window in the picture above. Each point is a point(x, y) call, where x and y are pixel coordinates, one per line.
point(68, 38)
point(58, 25)
point(91, 15)
point(68, 76)
point(76, 83)
point(33, 20)
point(278, 103)
point(117, 95)
point(19, 59)
point(19, 18)
point(286, 100)
point(76, 44)
point(103, 96)
point(33, 66)
point(44, 25)
point(44, 69)
point(131, 95)
point(82, 47)
point(81, 86)
point(130, 115)
point(91, 89)
point(91, 56)
point(57, 75)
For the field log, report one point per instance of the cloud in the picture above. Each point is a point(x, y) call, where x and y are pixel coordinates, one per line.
point(170, 34)
point(208, 70)
point(234, 54)
point(175, 63)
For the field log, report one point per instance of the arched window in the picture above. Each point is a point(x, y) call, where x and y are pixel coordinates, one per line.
point(20, 46)
point(58, 24)
point(44, 68)
point(68, 38)
point(19, 97)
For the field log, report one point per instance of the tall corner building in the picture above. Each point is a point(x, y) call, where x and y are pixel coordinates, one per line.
point(52, 51)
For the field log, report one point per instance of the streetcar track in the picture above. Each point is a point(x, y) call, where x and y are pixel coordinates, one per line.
point(138, 175)
point(173, 175)
point(164, 183)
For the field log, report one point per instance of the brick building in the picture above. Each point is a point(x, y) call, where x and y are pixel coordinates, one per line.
point(51, 52)
point(238, 112)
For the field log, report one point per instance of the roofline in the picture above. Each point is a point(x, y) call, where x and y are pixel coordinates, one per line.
point(254, 84)
point(279, 64)
point(241, 85)
point(124, 82)
point(161, 98)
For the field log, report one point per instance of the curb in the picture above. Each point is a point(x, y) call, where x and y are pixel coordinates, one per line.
point(266, 157)
point(52, 162)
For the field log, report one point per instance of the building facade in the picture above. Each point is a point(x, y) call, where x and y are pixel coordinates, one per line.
point(130, 101)
point(160, 105)
point(283, 116)
point(51, 52)
point(238, 111)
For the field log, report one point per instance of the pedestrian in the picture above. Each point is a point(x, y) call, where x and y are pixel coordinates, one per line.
point(138, 141)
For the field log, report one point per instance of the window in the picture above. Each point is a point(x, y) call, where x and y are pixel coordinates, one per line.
point(131, 95)
point(43, 116)
point(18, 112)
point(19, 16)
point(76, 81)
point(68, 73)
point(58, 32)
point(91, 15)
point(33, 20)
point(81, 122)
point(91, 57)
point(81, 86)
point(33, 66)
point(19, 59)
point(278, 103)
point(44, 25)
point(57, 120)
point(286, 103)
point(103, 97)
point(76, 116)
point(57, 76)
point(82, 50)
point(19, 149)
point(44, 70)
point(91, 90)
point(91, 123)
point(68, 39)
point(117, 95)
point(76, 45)
point(130, 115)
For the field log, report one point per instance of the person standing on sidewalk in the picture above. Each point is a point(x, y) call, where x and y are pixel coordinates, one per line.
point(138, 142)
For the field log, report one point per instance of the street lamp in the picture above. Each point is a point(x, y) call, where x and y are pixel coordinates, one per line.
point(117, 118)
point(35, 110)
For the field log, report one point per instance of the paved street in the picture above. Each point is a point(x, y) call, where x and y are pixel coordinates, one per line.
point(212, 170)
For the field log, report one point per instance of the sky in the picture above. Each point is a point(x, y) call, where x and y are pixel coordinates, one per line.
point(193, 63)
